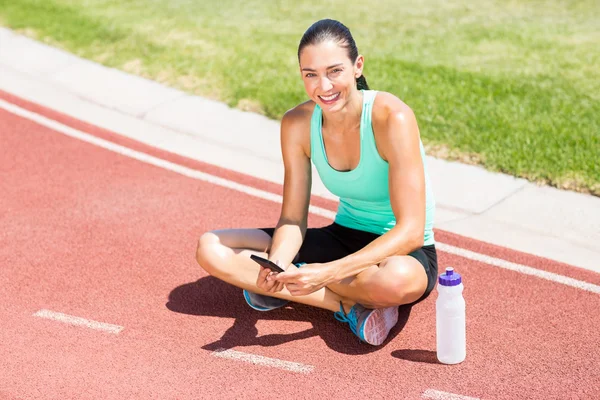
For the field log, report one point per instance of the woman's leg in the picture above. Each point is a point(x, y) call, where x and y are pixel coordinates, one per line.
point(225, 254)
point(379, 291)
point(397, 280)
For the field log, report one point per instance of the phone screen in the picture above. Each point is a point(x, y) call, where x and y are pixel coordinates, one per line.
point(267, 263)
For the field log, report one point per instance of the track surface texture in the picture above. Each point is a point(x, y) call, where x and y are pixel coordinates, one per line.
point(93, 234)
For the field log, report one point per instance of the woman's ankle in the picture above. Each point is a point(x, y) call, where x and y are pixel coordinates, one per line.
point(347, 304)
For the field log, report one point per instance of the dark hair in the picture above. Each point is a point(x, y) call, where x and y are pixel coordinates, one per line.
point(329, 29)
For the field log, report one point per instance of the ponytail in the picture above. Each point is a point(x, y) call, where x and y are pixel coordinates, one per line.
point(361, 83)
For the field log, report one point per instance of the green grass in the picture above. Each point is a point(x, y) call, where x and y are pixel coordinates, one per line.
point(511, 85)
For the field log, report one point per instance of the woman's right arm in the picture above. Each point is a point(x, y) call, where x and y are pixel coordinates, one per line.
point(295, 147)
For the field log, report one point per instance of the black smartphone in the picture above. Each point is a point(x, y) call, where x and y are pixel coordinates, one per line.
point(267, 263)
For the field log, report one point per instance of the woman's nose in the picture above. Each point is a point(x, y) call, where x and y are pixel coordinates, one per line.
point(325, 84)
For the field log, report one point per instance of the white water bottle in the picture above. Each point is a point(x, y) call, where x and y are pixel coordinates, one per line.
point(450, 321)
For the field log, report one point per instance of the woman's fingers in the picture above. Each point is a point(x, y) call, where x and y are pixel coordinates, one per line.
point(276, 286)
point(292, 288)
point(279, 286)
point(266, 282)
point(261, 280)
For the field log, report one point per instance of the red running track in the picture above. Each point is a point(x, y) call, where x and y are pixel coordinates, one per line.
point(98, 235)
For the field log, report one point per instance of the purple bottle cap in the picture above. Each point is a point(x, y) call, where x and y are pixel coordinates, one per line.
point(450, 278)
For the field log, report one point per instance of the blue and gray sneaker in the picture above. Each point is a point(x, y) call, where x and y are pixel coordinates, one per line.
point(371, 326)
point(261, 302)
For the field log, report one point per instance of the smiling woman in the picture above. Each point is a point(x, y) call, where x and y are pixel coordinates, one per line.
point(380, 251)
point(333, 31)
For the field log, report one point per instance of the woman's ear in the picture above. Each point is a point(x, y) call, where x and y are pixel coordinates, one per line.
point(358, 66)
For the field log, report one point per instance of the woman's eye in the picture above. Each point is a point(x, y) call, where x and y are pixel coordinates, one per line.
point(337, 70)
point(310, 75)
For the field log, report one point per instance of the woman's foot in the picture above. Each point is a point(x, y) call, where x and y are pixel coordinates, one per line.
point(263, 303)
point(372, 326)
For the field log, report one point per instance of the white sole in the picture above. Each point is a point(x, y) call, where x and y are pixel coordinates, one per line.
point(379, 324)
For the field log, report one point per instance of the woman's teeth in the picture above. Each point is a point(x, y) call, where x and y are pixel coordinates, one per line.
point(329, 98)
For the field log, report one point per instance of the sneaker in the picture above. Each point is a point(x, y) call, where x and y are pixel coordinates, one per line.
point(371, 326)
point(261, 302)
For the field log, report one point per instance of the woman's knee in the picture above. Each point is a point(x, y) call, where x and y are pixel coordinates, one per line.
point(205, 241)
point(401, 283)
point(213, 255)
point(207, 251)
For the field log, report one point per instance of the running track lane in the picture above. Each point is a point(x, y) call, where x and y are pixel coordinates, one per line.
point(90, 233)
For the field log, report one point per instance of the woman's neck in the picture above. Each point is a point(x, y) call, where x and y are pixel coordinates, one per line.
point(348, 117)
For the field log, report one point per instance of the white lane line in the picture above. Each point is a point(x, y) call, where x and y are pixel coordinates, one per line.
point(148, 159)
point(191, 173)
point(266, 361)
point(70, 319)
point(497, 262)
point(439, 395)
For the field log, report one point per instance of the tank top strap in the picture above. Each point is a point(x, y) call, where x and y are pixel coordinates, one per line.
point(369, 153)
point(368, 100)
point(316, 149)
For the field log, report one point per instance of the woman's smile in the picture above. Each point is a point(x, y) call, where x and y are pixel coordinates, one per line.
point(330, 99)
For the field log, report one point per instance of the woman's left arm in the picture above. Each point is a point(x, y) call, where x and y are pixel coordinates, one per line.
point(399, 142)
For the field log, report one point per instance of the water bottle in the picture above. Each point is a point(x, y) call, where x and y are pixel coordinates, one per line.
point(450, 319)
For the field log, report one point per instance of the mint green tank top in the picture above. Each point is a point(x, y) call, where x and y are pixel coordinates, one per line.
point(364, 191)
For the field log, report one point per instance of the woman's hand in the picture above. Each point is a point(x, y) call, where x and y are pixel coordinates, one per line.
point(265, 282)
point(305, 280)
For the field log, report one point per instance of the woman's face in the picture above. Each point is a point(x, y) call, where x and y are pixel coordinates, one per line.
point(329, 75)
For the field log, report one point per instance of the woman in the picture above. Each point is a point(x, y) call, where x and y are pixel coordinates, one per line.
point(379, 253)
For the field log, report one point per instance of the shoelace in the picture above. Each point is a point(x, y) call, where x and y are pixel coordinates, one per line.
point(349, 318)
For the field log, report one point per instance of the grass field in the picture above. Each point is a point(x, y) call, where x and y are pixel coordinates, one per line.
point(511, 85)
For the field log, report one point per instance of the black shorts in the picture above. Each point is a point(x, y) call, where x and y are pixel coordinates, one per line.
point(335, 241)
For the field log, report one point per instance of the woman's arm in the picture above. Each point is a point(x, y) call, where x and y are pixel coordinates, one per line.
point(398, 138)
point(291, 227)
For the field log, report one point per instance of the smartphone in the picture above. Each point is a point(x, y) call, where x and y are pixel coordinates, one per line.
point(267, 263)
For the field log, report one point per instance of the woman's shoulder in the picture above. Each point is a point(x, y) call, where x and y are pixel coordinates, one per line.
point(387, 106)
point(299, 116)
point(300, 112)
